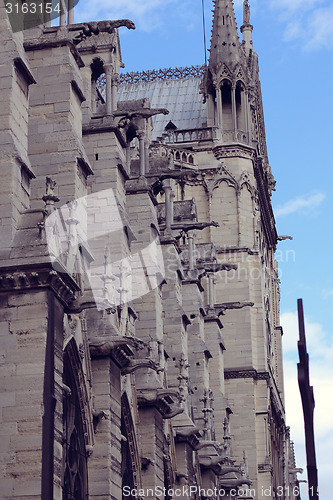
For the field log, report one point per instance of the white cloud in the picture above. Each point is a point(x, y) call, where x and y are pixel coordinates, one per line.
point(308, 21)
point(320, 348)
point(321, 27)
point(146, 14)
point(327, 294)
point(295, 5)
point(303, 204)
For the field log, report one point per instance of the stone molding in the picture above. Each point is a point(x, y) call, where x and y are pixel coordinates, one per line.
point(18, 281)
point(250, 373)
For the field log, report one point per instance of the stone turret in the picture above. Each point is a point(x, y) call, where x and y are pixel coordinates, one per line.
point(228, 77)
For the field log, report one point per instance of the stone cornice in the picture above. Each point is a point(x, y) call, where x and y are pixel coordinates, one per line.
point(45, 42)
point(104, 124)
point(32, 279)
point(234, 151)
point(246, 373)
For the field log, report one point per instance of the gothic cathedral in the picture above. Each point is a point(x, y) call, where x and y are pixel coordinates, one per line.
point(141, 352)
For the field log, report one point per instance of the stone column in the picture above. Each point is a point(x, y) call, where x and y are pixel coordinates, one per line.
point(114, 90)
point(70, 11)
point(128, 155)
point(141, 136)
point(245, 107)
point(147, 154)
point(234, 110)
point(108, 73)
point(211, 290)
point(63, 14)
point(191, 256)
point(246, 31)
point(248, 116)
point(93, 96)
point(168, 204)
point(219, 103)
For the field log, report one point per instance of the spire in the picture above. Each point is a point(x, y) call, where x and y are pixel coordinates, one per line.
point(225, 45)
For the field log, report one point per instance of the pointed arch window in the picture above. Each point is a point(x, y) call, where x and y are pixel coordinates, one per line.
point(75, 478)
point(98, 82)
point(130, 462)
point(226, 90)
point(240, 106)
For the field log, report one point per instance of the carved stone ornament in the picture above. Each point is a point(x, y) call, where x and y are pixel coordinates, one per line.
point(95, 28)
point(162, 399)
point(43, 279)
point(226, 151)
point(246, 13)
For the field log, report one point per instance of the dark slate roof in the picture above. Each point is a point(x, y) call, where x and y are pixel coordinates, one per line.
point(180, 96)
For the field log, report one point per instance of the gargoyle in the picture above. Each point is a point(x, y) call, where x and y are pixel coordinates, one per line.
point(211, 461)
point(225, 469)
point(141, 113)
point(284, 237)
point(215, 267)
point(151, 395)
point(187, 431)
point(97, 417)
point(232, 305)
point(176, 410)
point(88, 302)
point(235, 483)
point(204, 444)
point(130, 120)
point(135, 364)
point(192, 226)
point(101, 347)
point(94, 28)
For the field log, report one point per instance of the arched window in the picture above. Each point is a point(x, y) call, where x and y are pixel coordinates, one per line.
point(130, 462)
point(127, 477)
point(240, 106)
point(226, 105)
point(97, 83)
point(75, 479)
point(167, 481)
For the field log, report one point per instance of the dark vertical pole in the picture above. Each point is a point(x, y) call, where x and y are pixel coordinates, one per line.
point(49, 407)
point(308, 404)
point(204, 30)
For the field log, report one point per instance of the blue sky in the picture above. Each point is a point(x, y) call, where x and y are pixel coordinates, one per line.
point(294, 40)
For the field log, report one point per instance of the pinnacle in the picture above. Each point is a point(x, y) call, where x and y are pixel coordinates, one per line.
point(225, 45)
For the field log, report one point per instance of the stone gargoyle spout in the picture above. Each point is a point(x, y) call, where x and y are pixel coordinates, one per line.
point(135, 364)
point(101, 347)
point(211, 461)
point(235, 483)
point(204, 444)
point(225, 469)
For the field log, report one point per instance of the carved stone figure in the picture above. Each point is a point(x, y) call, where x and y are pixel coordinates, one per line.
point(246, 12)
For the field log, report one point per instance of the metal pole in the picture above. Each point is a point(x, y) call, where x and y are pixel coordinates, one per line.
point(308, 404)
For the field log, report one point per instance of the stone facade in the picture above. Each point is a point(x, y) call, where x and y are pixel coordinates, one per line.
point(139, 321)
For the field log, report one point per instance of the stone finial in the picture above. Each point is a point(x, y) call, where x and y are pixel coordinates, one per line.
point(246, 13)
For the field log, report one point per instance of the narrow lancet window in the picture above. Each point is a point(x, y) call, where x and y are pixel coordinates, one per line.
point(226, 106)
point(240, 107)
point(75, 459)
